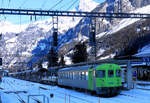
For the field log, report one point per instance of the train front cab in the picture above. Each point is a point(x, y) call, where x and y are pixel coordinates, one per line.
point(107, 79)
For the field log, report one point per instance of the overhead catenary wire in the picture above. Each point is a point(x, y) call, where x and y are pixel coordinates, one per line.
point(72, 5)
point(43, 4)
point(2, 3)
point(9, 1)
point(42, 7)
point(23, 3)
point(65, 4)
point(56, 4)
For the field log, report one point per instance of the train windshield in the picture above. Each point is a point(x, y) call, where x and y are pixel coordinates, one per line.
point(118, 73)
point(110, 73)
point(100, 73)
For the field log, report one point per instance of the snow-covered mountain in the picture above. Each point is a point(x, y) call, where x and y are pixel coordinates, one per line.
point(139, 3)
point(31, 42)
point(12, 28)
point(86, 5)
point(130, 30)
point(19, 43)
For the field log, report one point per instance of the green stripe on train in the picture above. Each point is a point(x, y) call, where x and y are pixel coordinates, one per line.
point(90, 78)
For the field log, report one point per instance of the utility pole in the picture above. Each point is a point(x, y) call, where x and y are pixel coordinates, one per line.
point(55, 31)
point(0, 50)
point(53, 49)
point(119, 6)
point(129, 76)
point(92, 35)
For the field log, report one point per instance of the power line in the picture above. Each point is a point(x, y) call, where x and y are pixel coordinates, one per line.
point(44, 3)
point(72, 5)
point(23, 3)
point(9, 1)
point(2, 3)
point(56, 4)
point(65, 4)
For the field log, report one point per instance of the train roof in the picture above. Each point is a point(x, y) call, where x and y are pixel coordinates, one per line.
point(135, 64)
point(78, 68)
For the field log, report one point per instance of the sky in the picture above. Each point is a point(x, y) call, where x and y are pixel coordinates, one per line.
point(36, 4)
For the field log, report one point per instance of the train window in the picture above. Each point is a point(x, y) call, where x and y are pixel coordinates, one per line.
point(94, 73)
point(86, 74)
point(82, 75)
point(73, 76)
point(62, 75)
point(110, 73)
point(118, 73)
point(65, 75)
point(100, 73)
point(76, 75)
point(70, 75)
point(59, 75)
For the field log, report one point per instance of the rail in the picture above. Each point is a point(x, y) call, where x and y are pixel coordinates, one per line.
point(38, 101)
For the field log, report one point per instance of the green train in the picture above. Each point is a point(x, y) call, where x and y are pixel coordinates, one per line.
point(104, 79)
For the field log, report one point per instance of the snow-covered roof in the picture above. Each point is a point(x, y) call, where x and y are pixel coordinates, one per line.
point(144, 52)
point(76, 68)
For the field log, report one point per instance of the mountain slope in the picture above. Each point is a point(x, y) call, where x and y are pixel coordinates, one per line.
point(128, 37)
point(35, 39)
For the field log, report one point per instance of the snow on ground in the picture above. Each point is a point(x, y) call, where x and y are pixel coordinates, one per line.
point(10, 84)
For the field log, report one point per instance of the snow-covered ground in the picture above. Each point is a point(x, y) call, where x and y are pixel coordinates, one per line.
point(62, 94)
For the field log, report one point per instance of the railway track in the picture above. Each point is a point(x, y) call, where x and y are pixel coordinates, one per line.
point(143, 89)
point(20, 99)
point(128, 95)
point(36, 100)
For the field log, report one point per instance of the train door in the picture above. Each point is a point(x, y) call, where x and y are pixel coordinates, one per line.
point(90, 78)
point(124, 77)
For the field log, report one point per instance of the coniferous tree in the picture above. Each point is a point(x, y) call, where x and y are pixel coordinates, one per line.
point(40, 65)
point(80, 54)
point(62, 61)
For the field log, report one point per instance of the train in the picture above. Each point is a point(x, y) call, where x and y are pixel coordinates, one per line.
point(104, 79)
point(3, 73)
